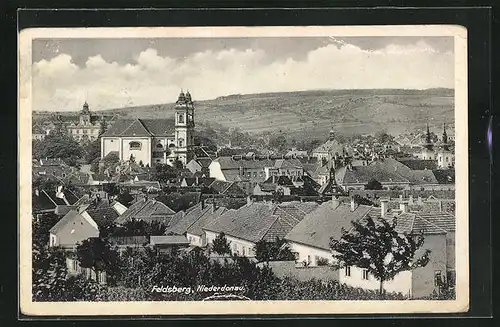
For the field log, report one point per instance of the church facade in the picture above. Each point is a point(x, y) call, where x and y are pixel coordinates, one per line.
point(153, 141)
point(444, 156)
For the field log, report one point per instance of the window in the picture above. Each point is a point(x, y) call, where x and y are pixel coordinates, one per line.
point(365, 274)
point(181, 118)
point(243, 250)
point(75, 265)
point(437, 278)
point(254, 174)
point(181, 142)
point(53, 240)
point(135, 145)
point(348, 271)
point(159, 146)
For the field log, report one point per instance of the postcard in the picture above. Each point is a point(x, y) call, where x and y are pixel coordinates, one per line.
point(243, 170)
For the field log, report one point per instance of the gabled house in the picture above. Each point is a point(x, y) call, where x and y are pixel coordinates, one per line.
point(256, 221)
point(310, 238)
point(274, 184)
point(82, 223)
point(438, 229)
point(228, 189)
point(200, 165)
point(147, 210)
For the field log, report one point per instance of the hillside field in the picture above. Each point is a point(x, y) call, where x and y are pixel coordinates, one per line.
point(309, 114)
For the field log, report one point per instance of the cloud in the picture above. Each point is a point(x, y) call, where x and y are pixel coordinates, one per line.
point(59, 84)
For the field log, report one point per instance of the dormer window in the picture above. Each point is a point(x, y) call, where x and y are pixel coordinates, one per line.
point(135, 145)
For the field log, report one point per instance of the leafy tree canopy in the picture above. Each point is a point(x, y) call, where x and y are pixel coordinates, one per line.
point(373, 184)
point(220, 245)
point(379, 248)
point(273, 251)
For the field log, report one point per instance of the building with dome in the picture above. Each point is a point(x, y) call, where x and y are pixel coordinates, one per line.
point(153, 141)
point(443, 154)
point(88, 126)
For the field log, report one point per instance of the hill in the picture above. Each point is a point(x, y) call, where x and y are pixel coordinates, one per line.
point(308, 114)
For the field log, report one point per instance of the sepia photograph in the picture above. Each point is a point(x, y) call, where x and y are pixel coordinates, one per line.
point(287, 169)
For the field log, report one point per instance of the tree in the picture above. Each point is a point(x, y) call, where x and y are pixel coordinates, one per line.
point(279, 142)
point(58, 145)
point(125, 198)
point(49, 274)
point(373, 184)
point(111, 189)
point(378, 248)
point(220, 245)
point(164, 173)
point(92, 151)
point(278, 250)
point(97, 254)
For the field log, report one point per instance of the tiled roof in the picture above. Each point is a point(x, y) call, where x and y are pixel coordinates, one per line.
point(444, 176)
point(220, 186)
point(325, 222)
point(206, 218)
point(103, 215)
point(200, 181)
point(64, 221)
point(141, 127)
point(188, 219)
point(288, 163)
point(363, 174)
point(168, 240)
point(419, 164)
point(145, 210)
point(420, 221)
point(259, 220)
point(159, 127)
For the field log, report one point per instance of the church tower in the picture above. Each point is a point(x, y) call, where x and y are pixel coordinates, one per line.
point(85, 115)
point(445, 157)
point(428, 150)
point(184, 127)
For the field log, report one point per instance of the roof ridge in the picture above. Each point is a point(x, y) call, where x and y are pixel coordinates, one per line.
point(145, 127)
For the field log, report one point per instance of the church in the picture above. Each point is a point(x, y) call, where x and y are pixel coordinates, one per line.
point(153, 141)
point(443, 155)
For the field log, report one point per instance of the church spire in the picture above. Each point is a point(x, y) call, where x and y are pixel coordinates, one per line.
point(445, 138)
point(428, 139)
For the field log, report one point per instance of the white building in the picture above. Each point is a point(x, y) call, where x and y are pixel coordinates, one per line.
point(153, 141)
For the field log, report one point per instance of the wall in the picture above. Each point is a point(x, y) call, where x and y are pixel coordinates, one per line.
point(308, 253)
point(402, 283)
point(194, 240)
point(238, 246)
point(144, 154)
point(109, 144)
point(215, 171)
point(423, 278)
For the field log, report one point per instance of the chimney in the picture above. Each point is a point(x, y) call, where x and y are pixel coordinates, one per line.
point(37, 192)
point(383, 207)
point(353, 204)
point(214, 206)
point(335, 201)
point(249, 200)
point(403, 206)
point(241, 171)
point(197, 180)
point(440, 205)
point(202, 203)
point(400, 197)
point(410, 201)
point(419, 201)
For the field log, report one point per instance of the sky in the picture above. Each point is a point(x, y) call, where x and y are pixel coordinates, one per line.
point(115, 73)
